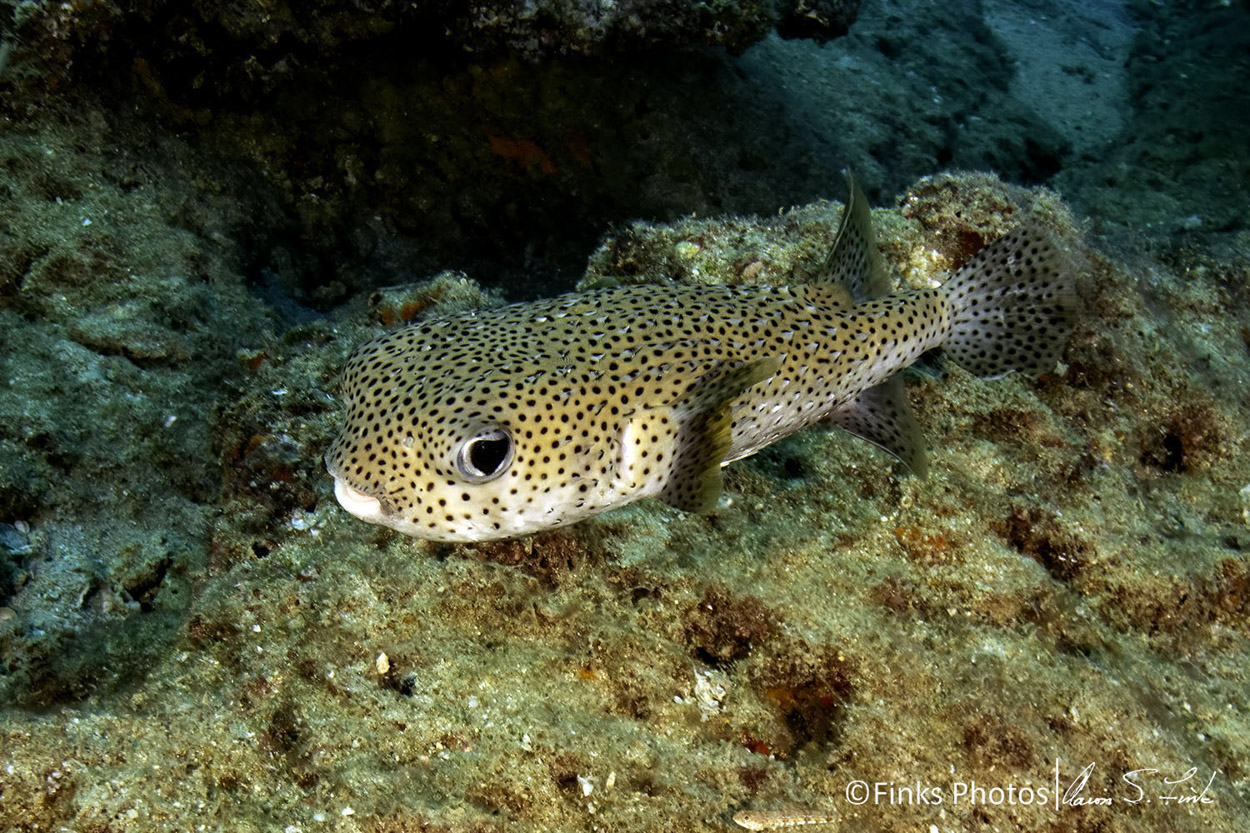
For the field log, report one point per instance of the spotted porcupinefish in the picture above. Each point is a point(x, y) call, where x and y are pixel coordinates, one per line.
point(498, 423)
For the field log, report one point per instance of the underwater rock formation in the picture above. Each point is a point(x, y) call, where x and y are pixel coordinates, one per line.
point(49, 38)
point(192, 633)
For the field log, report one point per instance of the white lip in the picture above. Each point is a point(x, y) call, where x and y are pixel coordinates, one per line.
point(359, 504)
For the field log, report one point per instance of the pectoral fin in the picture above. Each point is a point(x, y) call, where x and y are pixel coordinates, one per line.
point(705, 434)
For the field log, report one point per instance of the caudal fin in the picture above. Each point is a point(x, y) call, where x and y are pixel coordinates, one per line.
point(1012, 306)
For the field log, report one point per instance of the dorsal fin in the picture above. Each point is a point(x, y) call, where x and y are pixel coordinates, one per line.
point(854, 261)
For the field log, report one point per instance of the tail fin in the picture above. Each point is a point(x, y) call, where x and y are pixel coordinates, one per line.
point(1012, 306)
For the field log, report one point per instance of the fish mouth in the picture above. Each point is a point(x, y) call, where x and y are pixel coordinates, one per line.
point(363, 506)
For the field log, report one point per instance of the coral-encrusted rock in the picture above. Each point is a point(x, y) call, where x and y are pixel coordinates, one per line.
point(50, 35)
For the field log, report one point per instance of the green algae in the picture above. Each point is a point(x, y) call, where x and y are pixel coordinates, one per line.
point(1063, 586)
point(193, 635)
point(112, 358)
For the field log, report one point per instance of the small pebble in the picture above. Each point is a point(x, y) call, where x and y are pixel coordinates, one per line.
point(13, 538)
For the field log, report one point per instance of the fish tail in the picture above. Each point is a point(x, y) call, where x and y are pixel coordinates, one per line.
point(1012, 306)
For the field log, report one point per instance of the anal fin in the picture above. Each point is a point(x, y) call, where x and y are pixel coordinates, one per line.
point(882, 416)
point(705, 435)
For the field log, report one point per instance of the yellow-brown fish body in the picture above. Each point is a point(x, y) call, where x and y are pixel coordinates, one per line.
point(498, 423)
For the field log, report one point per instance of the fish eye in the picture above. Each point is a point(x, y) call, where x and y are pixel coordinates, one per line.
point(485, 456)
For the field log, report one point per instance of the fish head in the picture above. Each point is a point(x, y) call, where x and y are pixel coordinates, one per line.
point(473, 448)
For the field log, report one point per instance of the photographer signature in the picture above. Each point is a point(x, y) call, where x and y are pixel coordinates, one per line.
point(1139, 786)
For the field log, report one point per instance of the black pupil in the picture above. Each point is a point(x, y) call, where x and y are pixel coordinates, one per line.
point(487, 454)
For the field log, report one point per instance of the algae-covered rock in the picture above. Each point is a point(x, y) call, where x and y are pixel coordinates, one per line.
point(1068, 586)
point(116, 330)
point(204, 208)
point(46, 39)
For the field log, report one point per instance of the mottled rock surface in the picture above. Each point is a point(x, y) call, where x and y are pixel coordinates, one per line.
point(203, 211)
point(1070, 583)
